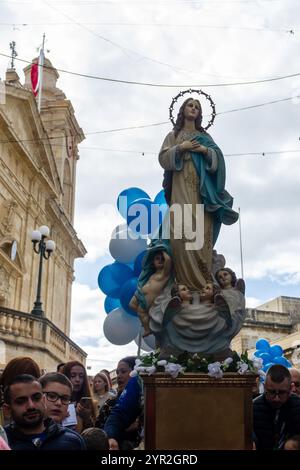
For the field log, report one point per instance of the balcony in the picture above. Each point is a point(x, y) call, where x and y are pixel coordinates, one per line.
point(24, 334)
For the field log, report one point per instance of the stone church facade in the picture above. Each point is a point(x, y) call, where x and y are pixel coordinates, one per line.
point(38, 158)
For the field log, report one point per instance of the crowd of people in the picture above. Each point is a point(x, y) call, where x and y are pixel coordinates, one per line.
point(59, 410)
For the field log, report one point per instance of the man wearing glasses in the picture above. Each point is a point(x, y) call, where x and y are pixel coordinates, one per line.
point(57, 389)
point(276, 413)
point(31, 429)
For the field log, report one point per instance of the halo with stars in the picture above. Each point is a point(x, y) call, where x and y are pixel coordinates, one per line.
point(199, 92)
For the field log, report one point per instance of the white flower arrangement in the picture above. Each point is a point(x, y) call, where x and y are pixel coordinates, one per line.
point(188, 362)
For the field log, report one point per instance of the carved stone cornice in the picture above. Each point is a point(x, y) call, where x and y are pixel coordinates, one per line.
point(59, 213)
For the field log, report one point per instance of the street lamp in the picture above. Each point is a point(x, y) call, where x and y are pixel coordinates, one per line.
point(44, 249)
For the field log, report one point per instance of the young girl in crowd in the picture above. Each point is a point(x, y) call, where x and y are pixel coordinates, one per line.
point(81, 396)
point(100, 389)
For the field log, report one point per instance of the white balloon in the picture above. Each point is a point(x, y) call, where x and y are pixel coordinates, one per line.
point(124, 246)
point(119, 228)
point(144, 345)
point(119, 327)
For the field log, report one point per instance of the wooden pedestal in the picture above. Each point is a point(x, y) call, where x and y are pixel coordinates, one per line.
point(198, 412)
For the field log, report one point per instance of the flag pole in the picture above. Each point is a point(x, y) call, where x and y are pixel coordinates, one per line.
point(241, 247)
point(41, 69)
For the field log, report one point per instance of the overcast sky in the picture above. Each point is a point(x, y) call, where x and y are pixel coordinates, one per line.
point(182, 43)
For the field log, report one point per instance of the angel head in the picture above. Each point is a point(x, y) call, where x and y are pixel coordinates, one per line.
point(226, 278)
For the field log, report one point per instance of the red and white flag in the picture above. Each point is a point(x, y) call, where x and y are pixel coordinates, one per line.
point(36, 73)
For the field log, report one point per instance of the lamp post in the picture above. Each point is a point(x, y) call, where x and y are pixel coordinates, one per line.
point(44, 249)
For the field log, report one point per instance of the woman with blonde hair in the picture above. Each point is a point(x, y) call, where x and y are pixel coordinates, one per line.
point(100, 389)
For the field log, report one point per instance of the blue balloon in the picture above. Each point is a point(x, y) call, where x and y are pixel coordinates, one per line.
point(160, 198)
point(163, 206)
point(266, 357)
point(258, 353)
point(263, 345)
point(280, 360)
point(131, 194)
point(276, 350)
point(286, 362)
point(139, 217)
point(138, 264)
point(267, 366)
point(112, 277)
point(127, 293)
point(110, 304)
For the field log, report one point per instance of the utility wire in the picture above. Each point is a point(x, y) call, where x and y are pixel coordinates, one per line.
point(258, 105)
point(147, 125)
point(161, 85)
point(167, 2)
point(225, 155)
point(125, 50)
point(145, 153)
point(288, 29)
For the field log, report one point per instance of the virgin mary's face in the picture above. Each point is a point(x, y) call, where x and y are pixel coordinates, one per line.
point(191, 110)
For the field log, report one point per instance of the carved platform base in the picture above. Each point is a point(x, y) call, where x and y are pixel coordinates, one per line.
point(198, 412)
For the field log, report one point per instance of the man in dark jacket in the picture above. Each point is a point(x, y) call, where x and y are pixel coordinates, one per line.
point(31, 430)
point(276, 413)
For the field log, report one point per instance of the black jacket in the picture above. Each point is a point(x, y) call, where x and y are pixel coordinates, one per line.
point(271, 432)
point(57, 438)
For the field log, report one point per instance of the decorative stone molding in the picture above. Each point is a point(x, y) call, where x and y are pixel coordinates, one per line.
point(31, 333)
point(8, 219)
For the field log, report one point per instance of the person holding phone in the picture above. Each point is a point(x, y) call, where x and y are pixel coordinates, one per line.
point(81, 395)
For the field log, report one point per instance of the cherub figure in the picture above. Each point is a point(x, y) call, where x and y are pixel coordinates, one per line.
point(181, 295)
point(232, 290)
point(207, 294)
point(148, 289)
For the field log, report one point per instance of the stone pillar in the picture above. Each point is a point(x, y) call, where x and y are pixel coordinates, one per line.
point(198, 412)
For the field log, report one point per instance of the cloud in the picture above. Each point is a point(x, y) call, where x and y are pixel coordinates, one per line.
point(88, 316)
point(252, 302)
point(203, 50)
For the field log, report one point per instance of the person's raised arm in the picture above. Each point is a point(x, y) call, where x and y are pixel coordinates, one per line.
point(167, 264)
